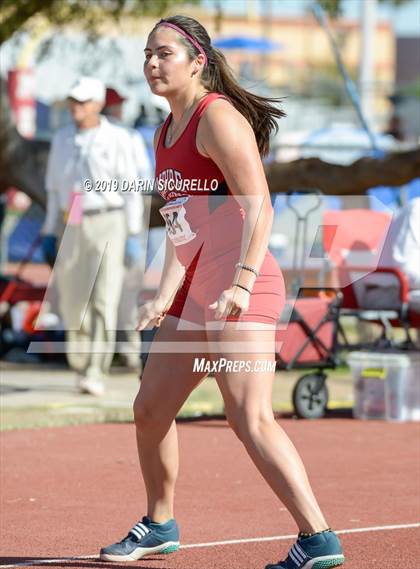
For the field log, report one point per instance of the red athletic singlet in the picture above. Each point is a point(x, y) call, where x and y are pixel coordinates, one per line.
point(205, 222)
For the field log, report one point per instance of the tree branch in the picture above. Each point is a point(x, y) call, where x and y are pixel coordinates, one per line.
point(332, 179)
point(18, 14)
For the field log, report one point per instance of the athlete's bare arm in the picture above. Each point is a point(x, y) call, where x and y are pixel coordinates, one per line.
point(172, 275)
point(173, 272)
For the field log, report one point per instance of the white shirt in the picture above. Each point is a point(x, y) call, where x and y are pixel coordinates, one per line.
point(402, 245)
point(106, 156)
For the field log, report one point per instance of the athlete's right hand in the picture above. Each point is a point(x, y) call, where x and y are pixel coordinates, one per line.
point(151, 315)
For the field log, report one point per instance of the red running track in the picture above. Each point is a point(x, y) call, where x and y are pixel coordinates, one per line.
point(67, 491)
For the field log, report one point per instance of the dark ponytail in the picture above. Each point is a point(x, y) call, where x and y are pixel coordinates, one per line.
point(218, 77)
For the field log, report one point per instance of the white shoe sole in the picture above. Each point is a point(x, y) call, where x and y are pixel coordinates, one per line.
point(167, 547)
point(325, 562)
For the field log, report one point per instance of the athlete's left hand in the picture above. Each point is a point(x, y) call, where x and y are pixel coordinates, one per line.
point(232, 302)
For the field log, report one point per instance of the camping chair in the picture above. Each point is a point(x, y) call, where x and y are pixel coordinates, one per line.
point(353, 241)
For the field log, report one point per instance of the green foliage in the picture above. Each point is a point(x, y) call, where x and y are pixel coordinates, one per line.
point(16, 15)
point(332, 7)
point(410, 89)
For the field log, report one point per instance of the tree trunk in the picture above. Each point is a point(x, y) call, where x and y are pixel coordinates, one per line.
point(22, 162)
point(394, 169)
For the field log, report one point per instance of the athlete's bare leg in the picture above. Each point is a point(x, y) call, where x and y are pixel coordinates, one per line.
point(247, 397)
point(167, 380)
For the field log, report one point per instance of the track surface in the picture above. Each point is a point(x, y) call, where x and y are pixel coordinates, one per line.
point(65, 492)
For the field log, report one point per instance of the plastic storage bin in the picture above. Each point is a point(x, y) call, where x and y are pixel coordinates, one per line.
point(386, 385)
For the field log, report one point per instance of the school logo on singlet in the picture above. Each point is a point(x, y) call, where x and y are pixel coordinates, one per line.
point(169, 184)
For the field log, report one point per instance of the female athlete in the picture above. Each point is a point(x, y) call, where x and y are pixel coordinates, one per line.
point(220, 294)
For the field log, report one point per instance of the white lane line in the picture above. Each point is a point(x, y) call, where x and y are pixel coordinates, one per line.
point(286, 537)
point(46, 561)
point(218, 543)
point(379, 528)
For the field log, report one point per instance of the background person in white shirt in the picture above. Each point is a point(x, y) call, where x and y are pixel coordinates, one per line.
point(402, 245)
point(99, 227)
point(401, 250)
point(127, 337)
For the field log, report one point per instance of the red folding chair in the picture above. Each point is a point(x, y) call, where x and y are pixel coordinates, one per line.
point(353, 240)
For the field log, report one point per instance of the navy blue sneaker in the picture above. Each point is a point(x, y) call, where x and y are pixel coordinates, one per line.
point(319, 551)
point(145, 538)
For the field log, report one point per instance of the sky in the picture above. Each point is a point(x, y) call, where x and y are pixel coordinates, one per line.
point(405, 18)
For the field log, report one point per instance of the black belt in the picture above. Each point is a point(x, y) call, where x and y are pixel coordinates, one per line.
point(104, 209)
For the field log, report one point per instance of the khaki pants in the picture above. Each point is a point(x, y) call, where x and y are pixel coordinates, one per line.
point(129, 345)
point(89, 272)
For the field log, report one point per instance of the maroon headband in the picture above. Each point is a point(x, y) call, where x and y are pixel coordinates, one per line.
point(185, 35)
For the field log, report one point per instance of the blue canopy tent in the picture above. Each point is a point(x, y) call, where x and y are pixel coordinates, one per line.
point(246, 43)
point(249, 44)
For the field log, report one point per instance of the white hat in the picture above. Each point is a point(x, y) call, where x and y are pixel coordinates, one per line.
point(88, 89)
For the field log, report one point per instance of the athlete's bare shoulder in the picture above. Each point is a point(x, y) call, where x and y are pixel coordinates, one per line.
point(221, 109)
point(156, 136)
point(220, 118)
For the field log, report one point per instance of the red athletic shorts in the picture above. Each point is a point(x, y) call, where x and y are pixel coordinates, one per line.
point(207, 233)
point(204, 283)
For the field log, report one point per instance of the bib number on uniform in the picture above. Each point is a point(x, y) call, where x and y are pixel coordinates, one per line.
point(177, 227)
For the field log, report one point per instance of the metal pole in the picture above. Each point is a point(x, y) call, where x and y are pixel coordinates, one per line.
point(348, 82)
point(367, 64)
